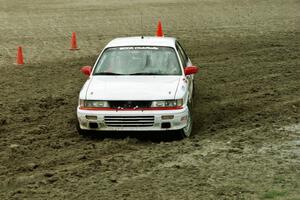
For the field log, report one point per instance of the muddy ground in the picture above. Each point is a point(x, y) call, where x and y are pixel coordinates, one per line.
point(246, 140)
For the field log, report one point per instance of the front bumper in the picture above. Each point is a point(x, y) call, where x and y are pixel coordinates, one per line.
point(133, 120)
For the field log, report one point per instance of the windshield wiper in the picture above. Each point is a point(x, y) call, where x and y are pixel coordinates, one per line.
point(145, 73)
point(133, 74)
point(108, 73)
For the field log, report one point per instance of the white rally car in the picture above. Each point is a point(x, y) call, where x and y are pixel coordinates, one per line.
point(138, 84)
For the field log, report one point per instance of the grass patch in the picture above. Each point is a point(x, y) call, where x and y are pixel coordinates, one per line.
point(279, 179)
point(273, 194)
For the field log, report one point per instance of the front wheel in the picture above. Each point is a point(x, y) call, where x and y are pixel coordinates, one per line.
point(187, 131)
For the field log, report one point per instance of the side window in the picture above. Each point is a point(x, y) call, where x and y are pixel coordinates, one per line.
point(182, 54)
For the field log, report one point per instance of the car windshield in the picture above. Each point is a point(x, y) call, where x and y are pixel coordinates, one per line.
point(138, 61)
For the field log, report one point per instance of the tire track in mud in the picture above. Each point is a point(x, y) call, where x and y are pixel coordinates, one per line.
point(245, 142)
point(76, 161)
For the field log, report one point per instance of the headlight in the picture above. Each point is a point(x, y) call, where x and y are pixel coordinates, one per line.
point(167, 103)
point(93, 104)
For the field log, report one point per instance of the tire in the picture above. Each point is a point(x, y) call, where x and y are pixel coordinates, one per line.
point(187, 131)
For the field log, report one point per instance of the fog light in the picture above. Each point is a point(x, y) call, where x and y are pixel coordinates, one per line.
point(164, 117)
point(90, 117)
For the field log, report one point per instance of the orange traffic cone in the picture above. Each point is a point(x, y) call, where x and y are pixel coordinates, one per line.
point(74, 42)
point(159, 31)
point(20, 58)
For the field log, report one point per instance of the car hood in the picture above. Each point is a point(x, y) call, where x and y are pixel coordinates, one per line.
point(132, 87)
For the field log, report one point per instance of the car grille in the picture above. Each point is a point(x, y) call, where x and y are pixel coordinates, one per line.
point(129, 121)
point(129, 104)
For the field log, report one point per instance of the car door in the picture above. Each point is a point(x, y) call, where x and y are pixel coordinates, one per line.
point(186, 62)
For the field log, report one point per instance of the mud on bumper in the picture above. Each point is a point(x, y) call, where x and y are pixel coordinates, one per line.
point(154, 120)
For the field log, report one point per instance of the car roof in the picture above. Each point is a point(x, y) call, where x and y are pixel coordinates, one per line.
point(142, 41)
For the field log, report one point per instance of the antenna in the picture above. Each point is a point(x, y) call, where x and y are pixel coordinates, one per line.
point(142, 26)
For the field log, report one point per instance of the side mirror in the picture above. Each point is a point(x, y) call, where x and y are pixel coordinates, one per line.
point(87, 70)
point(191, 70)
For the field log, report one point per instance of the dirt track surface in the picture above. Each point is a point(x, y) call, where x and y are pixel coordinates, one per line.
point(246, 142)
